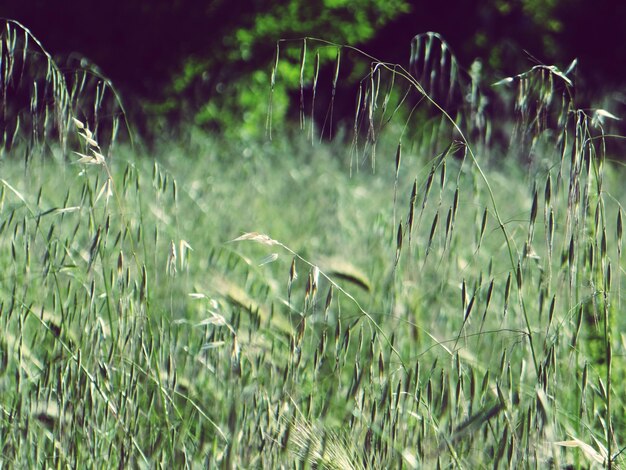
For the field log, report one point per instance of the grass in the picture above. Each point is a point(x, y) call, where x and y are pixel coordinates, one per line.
point(279, 304)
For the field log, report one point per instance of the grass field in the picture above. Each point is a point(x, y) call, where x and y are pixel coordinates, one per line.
point(264, 304)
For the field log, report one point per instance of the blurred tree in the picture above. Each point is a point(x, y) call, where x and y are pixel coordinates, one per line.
point(194, 57)
point(211, 60)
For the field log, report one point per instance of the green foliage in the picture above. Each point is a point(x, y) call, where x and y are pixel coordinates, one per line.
point(241, 89)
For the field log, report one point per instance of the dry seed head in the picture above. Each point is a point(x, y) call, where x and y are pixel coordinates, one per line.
point(398, 158)
point(449, 222)
point(94, 247)
point(548, 191)
point(293, 275)
point(267, 260)
point(413, 193)
point(483, 224)
point(433, 229)
point(183, 247)
point(455, 203)
point(507, 293)
point(301, 328)
point(442, 179)
point(106, 191)
point(96, 159)
point(619, 231)
point(88, 136)
point(489, 293)
point(120, 263)
point(315, 274)
point(307, 290)
point(171, 259)
point(602, 388)
point(78, 123)
point(429, 183)
point(410, 220)
point(398, 242)
point(533, 210)
point(469, 307)
point(329, 299)
point(256, 237)
point(579, 322)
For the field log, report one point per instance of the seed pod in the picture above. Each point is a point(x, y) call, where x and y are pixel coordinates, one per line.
point(550, 231)
point(547, 195)
point(329, 299)
point(398, 158)
point(579, 322)
point(120, 263)
point(429, 183)
point(442, 178)
point(533, 209)
point(398, 242)
point(455, 203)
point(483, 224)
point(619, 231)
point(469, 308)
point(412, 209)
point(433, 228)
point(489, 293)
point(507, 292)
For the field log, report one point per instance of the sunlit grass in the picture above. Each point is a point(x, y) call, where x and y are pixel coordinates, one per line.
point(278, 303)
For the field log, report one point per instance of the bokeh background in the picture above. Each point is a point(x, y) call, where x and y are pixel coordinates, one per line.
point(210, 61)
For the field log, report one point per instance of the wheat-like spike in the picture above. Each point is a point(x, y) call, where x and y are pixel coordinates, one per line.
point(433, 229)
point(398, 243)
point(483, 225)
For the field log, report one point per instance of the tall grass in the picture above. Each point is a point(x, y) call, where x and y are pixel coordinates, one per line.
point(252, 310)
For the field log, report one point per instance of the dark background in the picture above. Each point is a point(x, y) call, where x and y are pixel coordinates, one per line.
point(167, 58)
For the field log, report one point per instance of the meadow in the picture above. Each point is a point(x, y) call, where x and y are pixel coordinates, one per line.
point(410, 296)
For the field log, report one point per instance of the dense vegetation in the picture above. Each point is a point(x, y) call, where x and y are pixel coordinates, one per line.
point(412, 298)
